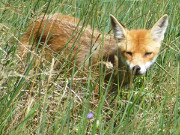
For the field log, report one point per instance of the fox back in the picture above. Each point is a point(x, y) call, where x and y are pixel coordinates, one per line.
point(63, 33)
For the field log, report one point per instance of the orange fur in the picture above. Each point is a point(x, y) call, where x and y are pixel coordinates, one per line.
point(139, 42)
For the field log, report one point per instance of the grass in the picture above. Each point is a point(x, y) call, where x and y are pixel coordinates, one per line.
point(47, 101)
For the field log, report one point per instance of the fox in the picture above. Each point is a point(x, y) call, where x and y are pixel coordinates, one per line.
point(129, 52)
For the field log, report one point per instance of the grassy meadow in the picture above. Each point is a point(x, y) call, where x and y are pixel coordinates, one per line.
point(44, 99)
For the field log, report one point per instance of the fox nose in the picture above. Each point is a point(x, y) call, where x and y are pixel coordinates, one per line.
point(136, 69)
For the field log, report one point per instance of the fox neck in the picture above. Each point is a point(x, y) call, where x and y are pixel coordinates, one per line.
point(123, 74)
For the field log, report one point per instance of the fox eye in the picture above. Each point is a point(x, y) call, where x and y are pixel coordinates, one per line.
point(148, 54)
point(129, 53)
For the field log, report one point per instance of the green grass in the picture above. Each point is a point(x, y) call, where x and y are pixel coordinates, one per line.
point(42, 101)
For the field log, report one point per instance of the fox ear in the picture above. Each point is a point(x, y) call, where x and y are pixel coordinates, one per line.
point(118, 28)
point(159, 28)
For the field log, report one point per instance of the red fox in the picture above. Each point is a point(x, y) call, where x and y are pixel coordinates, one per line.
point(129, 51)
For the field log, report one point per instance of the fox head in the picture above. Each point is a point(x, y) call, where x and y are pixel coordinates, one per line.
point(139, 48)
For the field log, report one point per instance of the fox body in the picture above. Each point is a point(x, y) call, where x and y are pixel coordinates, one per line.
point(63, 34)
point(130, 51)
